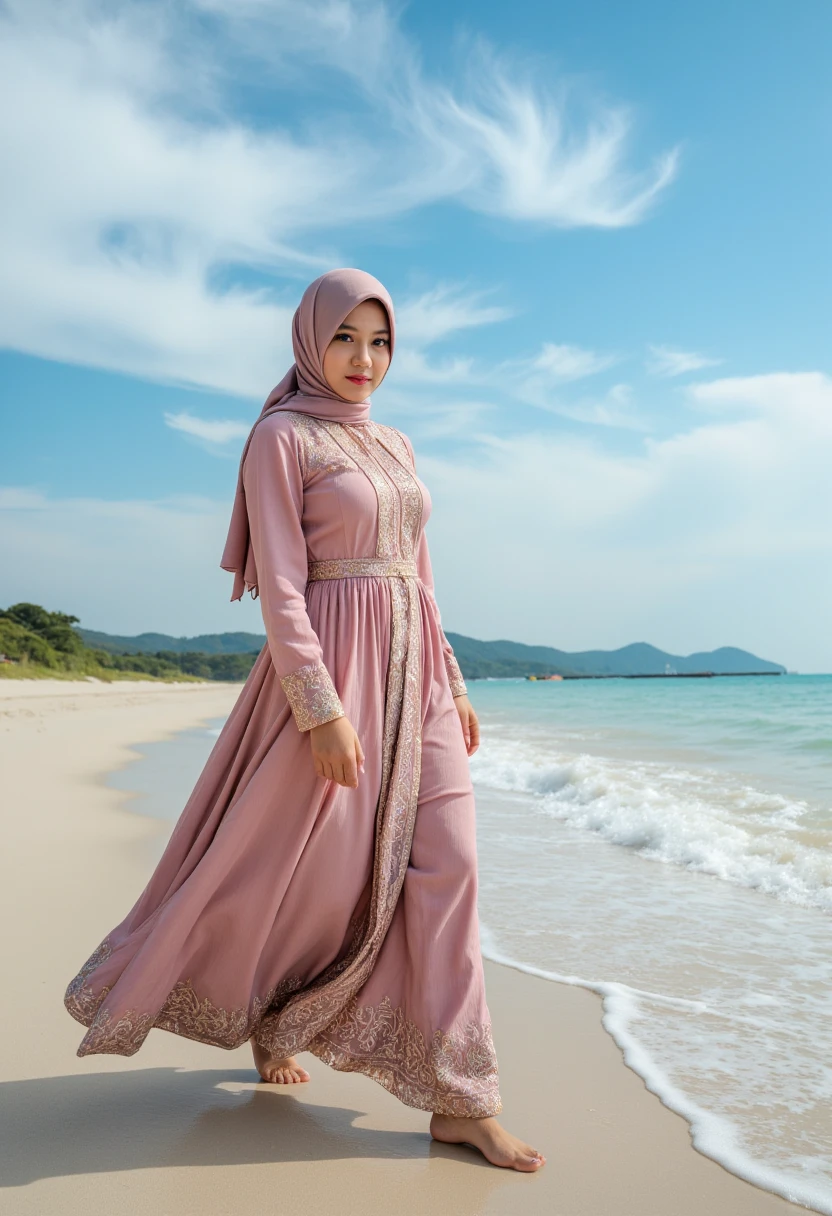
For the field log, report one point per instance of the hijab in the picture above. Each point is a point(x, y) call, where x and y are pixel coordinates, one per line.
point(304, 389)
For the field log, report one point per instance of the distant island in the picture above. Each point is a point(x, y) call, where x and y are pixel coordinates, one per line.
point(35, 641)
point(479, 660)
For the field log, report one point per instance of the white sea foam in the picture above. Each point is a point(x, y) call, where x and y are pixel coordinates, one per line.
point(705, 821)
point(713, 1135)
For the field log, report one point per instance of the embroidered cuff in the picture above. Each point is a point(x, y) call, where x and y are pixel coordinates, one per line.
point(312, 696)
point(455, 676)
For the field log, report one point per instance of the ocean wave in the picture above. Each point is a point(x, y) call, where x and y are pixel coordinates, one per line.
point(704, 821)
point(713, 1134)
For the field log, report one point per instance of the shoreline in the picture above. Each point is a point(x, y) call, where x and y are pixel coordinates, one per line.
point(181, 1126)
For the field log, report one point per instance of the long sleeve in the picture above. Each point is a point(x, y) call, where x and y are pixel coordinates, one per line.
point(425, 571)
point(273, 483)
point(423, 566)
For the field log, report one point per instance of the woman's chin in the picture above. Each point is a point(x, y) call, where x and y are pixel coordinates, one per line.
point(354, 392)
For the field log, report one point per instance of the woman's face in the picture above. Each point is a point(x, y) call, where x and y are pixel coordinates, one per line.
point(357, 358)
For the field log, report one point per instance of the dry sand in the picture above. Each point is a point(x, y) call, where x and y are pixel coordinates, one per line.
point(184, 1129)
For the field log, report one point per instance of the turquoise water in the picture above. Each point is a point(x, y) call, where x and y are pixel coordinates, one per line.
point(669, 844)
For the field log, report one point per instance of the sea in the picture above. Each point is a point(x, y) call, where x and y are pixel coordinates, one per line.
point(666, 843)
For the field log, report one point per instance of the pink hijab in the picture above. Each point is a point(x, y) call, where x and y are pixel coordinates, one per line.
point(304, 389)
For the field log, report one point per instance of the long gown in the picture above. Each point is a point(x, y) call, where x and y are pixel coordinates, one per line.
point(309, 915)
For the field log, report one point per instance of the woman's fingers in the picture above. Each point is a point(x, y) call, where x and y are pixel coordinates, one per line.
point(350, 771)
point(474, 729)
point(337, 752)
point(343, 770)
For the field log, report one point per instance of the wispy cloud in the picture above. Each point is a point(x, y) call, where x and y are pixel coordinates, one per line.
point(54, 555)
point(182, 224)
point(561, 363)
point(615, 408)
point(667, 361)
point(16, 498)
point(686, 529)
point(799, 397)
point(532, 155)
point(444, 310)
point(210, 431)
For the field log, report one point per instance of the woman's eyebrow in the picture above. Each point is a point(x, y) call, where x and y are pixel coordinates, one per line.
point(355, 329)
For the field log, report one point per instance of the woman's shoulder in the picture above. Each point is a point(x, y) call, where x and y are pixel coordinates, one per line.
point(278, 428)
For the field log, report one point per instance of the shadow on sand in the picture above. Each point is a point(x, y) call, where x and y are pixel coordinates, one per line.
point(157, 1117)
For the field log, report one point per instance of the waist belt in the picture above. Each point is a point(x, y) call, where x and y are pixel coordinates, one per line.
point(362, 567)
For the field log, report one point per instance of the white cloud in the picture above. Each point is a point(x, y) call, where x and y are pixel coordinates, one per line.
point(803, 396)
point(569, 362)
point(14, 498)
point(614, 408)
point(720, 535)
point(538, 380)
point(533, 163)
point(666, 361)
point(444, 310)
point(211, 431)
point(153, 230)
point(122, 566)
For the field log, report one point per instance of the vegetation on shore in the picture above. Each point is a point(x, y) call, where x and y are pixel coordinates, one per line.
point(45, 645)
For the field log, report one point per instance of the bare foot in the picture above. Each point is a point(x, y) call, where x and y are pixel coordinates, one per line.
point(496, 1144)
point(279, 1072)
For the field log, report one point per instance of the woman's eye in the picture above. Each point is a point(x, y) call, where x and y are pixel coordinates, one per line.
point(343, 337)
point(381, 341)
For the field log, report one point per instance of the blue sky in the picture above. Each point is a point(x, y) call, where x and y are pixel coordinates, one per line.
point(606, 231)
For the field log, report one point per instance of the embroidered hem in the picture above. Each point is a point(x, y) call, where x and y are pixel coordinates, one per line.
point(312, 696)
point(183, 1013)
point(452, 1074)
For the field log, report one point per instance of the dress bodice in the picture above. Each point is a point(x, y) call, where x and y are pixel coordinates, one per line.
point(361, 494)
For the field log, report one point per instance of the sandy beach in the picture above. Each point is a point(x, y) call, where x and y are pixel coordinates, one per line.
point(183, 1128)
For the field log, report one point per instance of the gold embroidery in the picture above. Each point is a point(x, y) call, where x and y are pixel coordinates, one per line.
point(452, 1074)
point(389, 508)
point(79, 999)
point(393, 441)
point(455, 678)
point(312, 696)
point(183, 1013)
point(395, 460)
point(358, 567)
point(319, 451)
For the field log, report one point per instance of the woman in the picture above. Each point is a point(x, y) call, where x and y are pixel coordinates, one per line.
point(327, 902)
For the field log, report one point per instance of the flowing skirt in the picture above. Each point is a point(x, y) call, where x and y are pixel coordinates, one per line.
point(311, 916)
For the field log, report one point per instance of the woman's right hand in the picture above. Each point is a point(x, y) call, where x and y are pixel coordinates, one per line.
point(337, 752)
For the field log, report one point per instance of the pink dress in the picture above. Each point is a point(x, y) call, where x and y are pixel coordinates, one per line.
point(286, 907)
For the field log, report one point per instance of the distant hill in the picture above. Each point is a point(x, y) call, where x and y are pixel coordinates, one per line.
point(151, 643)
point(480, 659)
point(477, 659)
point(36, 643)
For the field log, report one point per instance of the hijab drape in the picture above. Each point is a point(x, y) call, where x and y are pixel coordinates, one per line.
point(304, 389)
